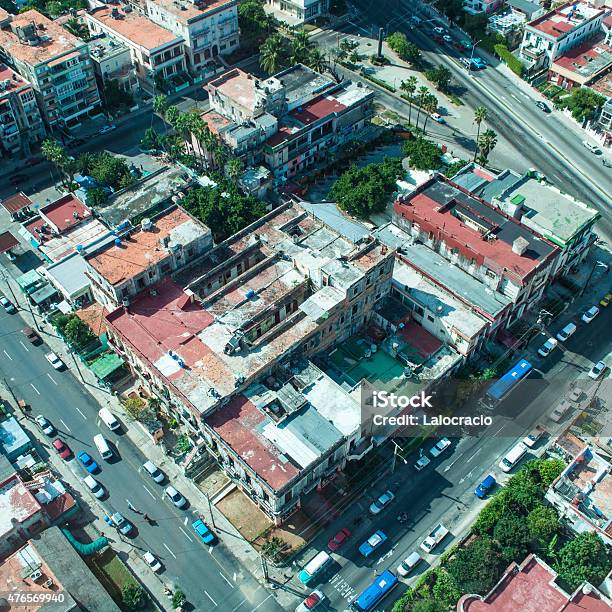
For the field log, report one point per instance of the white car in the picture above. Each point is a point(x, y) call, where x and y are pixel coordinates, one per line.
point(156, 474)
point(177, 499)
point(560, 411)
point(591, 147)
point(597, 370)
point(409, 563)
point(94, 486)
point(566, 332)
point(382, 502)
point(547, 347)
point(152, 561)
point(8, 305)
point(45, 425)
point(531, 439)
point(437, 118)
point(590, 314)
point(54, 360)
point(423, 462)
point(105, 129)
point(446, 38)
point(439, 30)
point(440, 447)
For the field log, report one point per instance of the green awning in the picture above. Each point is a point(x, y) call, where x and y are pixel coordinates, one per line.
point(29, 280)
point(106, 365)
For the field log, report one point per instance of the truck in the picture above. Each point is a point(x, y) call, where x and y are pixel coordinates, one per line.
point(434, 538)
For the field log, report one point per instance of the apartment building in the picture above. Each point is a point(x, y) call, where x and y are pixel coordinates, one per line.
point(289, 121)
point(112, 61)
point(474, 7)
point(552, 214)
point(554, 33)
point(207, 27)
point(297, 12)
point(21, 123)
point(55, 62)
point(499, 251)
point(156, 51)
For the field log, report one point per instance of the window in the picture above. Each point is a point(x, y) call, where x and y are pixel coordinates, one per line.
point(430, 318)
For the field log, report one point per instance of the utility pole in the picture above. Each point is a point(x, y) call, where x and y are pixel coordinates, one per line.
point(264, 567)
point(77, 366)
point(8, 284)
point(396, 447)
point(588, 280)
point(212, 518)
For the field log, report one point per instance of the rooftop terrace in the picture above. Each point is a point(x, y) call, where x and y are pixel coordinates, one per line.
point(563, 19)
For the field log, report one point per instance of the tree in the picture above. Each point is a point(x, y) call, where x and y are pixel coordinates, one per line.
point(253, 20)
point(543, 524)
point(423, 154)
point(490, 515)
point(421, 96)
point(455, 167)
point(477, 566)
point(271, 53)
point(96, 196)
point(430, 105)
point(512, 534)
point(160, 105)
point(107, 169)
point(397, 42)
point(440, 76)
point(274, 548)
point(78, 28)
point(78, 333)
point(486, 144)
point(178, 599)
point(234, 169)
point(54, 152)
point(522, 494)
point(409, 87)
point(115, 97)
point(134, 407)
point(480, 114)
point(316, 60)
point(549, 470)
point(150, 140)
point(364, 190)
point(583, 558)
point(425, 605)
point(583, 103)
point(445, 590)
point(134, 597)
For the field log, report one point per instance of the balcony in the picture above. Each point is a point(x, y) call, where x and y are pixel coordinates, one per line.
point(361, 450)
point(532, 53)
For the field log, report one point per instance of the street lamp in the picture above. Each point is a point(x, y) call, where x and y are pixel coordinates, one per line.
point(472, 54)
point(395, 449)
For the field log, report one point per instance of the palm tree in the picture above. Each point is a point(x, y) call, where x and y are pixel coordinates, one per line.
point(480, 114)
point(316, 60)
point(270, 53)
point(409, 87)
point(430, 105)
point(486, 143)
point(422, 94)
point(234, 169)
point(302, 38)
point(160, 106)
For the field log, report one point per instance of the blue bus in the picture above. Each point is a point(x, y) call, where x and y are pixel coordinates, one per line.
point(375, 593)
point(500, 389)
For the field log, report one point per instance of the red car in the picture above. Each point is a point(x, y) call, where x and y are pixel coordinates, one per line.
point(62, 449)
point(339, 539)
point(33, 161)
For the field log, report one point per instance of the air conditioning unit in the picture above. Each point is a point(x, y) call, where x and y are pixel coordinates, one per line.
point(35, 575)
point(48, 583)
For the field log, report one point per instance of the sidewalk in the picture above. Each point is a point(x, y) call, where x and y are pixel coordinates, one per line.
point(233, 541)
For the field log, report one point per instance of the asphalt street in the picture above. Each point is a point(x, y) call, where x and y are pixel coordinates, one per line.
point(443, 491)
point(211, 577)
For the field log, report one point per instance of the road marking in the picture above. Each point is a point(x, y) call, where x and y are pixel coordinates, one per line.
point(64, 424)
point(226, 580)
point(262, 603)
point(149, 492)
point(468, 460)
point(7, 355)
point(80, 412)
point(51, 377)
point(450, 465)
point(131, 506)
point(185, 534)
point(209, 597)
point(169, 550)
point(35, 389)
point(234, 576)
point(185, 521)
point(239, 605)
point(25, 348)
point(466, 476)
point(210, 550)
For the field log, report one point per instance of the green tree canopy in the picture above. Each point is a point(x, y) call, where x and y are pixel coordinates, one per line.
point(364, 190)
point(543, 524)
point(440, 76)
point(254, 22)
point(134, 597)
point(423, 154)
point(78, 333)
point(513, 537)
point(583, 103)
point(584, 558)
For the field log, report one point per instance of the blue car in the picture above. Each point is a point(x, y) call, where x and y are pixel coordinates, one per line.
point(88, 463)
point(375, 541)
point(203, 531)
point(485, 486)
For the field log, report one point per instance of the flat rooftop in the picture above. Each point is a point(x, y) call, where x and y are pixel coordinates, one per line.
point(237, 85)
point(15, 81)
point(136, 251)
point(461, 220)
point(69, 274)
point(187, 12)
point(428, 294)
point(562, 20)
point(50, 41)
point(587, 60)
point(17, 505)
point(65, 213)
point(301, 83)
point(134, 27)
point(104, 46)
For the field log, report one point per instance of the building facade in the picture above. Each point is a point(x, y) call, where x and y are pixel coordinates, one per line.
point(21, 124)
point(56, 63)
point(112, 61)
point(297, 12)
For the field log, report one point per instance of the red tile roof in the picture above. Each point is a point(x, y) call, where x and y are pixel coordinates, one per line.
point(7, 242)
point(317, 109)
point(16, 202)
point(583, 55)
point(62, 212)
point(556, 24)
point(236, 423)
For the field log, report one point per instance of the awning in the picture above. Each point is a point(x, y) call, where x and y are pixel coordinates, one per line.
point(106, 365)
point(7, 242)
point(43, 294)
point(17, 202)
point(28, 280)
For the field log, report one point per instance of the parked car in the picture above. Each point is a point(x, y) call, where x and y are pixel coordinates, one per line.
point(590, 314)
point(94, 486)
point(547, 347)
point(436, 535)
point(423, 462)
point(591, 147)
point(87, 461)
point(531, 439)
point(8, 305)
point(605, 300)
point(384, 500)
point(447, 39)
point(560, 411)
point(409, 563)
point(63, 450)
point(54, 360)
point(76, 142)
point(31, 335)
point(105, 129)
point(478, 63)
point(375, 541)
point(440, 447)
point(45, 425)
point(122, 524)
point(314, 601)
point(543, 106)
point(438, 118)
point(177, 499)
point(597, 370)
point(439, 30)
point(206, 535)
point(156, 474)
point(16, 179)
point(566, 332)
point(152, 561)
point(485, 487)
point(339, 539)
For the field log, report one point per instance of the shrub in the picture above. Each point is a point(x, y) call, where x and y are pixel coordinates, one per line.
point(512, 61)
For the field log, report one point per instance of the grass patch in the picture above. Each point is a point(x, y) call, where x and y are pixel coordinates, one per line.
point(310, 27)
point(456, 100)
point(380, 83)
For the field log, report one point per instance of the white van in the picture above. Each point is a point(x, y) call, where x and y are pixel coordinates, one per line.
point(108, 418)
point(515, 454)
point(103, 447)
